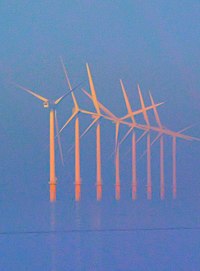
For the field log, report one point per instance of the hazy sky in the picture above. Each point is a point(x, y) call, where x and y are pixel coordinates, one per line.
point(153, 43)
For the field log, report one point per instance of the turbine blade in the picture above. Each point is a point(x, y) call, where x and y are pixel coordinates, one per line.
point(175, 134)
point(155, 111)
point(143, 107)
point(84, 133)
point(89, 127)
point(134, 113)
point(161, 130)
point(156, 138)
point(59, 140)
point(71, 148)
point(101, 106)
point(94, 96)
point(32, 93)
point(143, 134)
point(187, 128)
point(65, 72)
point(126, 135)
point(128, 106)
point(88, 112)
point(66, 94)
point(68, 121)
point(69, 83)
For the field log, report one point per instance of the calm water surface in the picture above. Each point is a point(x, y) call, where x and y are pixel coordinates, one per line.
point(92, 235)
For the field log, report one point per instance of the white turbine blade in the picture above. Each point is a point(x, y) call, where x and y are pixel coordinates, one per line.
point(143, 134)
point(155, 111)
point(137, 112)
point(32, 93)
point(68, 121)
point(128, 106)
point(126, 135)
point(65, 72)
point(71, 148)
point(143, 107)
point(187, 128)
point(59, 140)
point(85, 132)
point(94, 96)
point(160, 130)
point(155, 139)
point(69, 83)
point(107, 111)
point(116, 140)
point(66, 94)
point(89, 127)
point(88, 112)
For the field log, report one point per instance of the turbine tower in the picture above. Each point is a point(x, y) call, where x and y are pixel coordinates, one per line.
point(53, 124)
point(76, 111)
point(98, 137)
point(134, 172)
point(162, 178)
point(160, 135)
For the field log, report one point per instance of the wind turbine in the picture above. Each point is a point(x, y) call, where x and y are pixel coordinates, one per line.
point(96, 116)
point(53, 123)
point(162, 178)
point(76, 111)
point(110, 116)
point(149, 181)
point(134, 173)
point(146, 128)
point(75, 114)
point(98, 136)
point(162, 131)
point(160, 135)
point(144, 112)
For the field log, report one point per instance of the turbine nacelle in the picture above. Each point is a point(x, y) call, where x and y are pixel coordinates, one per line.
point(46, 104)
point(49, 104)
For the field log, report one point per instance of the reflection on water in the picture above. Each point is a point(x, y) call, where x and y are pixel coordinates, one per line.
point(53, 237)
point(95, 235)
point(97, 249)
point(83, 241)
point(80, 252)
point(78, 236)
